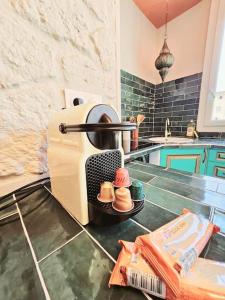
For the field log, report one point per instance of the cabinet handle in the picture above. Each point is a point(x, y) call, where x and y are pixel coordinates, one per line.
point(220, 156)
point(204, 158)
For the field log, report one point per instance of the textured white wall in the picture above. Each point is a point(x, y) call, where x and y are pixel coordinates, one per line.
point(46, 46)
point(138, 42)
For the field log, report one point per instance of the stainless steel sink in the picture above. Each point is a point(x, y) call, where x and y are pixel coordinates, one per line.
point(171, 140)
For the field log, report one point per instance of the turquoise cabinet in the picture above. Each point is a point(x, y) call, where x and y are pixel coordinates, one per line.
point(187, 159)
point(216, 163)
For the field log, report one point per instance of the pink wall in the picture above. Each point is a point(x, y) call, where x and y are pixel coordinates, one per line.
point(155, 10)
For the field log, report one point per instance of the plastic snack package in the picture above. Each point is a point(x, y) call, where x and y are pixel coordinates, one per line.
point(173, 249)
point(131, 269)
point(162, 265)
point(205, 281)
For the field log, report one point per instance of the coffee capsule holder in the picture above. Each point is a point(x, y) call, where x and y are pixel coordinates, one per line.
point(101, 213)
point(98, 170)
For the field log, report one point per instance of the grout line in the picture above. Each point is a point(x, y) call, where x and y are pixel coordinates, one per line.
point(94, 240)
point(33, 253)
point(211, 215)
point(176, 172)
point(84, 229)
point(61, 246)
point(152, 179)
point(207, 249)
point(143, 172)
point(154, 176)
point(161, 207)
point(137, 223)
point(177, 181)
point(48, 190)
point(196, 201)
point(153, 203)
point(200, 203)
point(221, 233)
point(8, 215)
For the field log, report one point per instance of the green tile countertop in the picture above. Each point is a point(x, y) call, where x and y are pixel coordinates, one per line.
point(46, 254)
point(209, 143)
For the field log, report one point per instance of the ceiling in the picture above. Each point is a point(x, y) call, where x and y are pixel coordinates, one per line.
point(155, 10)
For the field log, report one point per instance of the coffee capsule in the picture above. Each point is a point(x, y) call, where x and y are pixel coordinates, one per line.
point(122, 178)
point(123, 201)
point(106, 192)
point(137, 190)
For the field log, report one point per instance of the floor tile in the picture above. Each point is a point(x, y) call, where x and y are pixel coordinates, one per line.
point(108, 236)
point(19, 278)
point(47, 223)
point(173, 202)
point(81, 270)
point(153, 217)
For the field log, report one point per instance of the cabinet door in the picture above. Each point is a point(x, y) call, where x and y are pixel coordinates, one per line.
point(184, 159)
point(216, 169)
point(217, 155)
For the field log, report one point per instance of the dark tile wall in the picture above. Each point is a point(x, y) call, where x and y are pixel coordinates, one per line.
point(177, 100)
point(137, 97)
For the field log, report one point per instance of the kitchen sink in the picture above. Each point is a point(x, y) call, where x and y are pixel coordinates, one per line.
point(171, 140)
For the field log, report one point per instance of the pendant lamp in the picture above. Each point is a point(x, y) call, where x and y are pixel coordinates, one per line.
point(165, 59)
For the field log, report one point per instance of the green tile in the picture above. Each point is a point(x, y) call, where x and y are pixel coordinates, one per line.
point(19, 278)
point(140, 175)
point(215, 249)
point(153, 217)
point(108, 236)
point(9, 210)
point(205, 183)
point(81, 270)
point(48, 185)
point(207, 197)
point(173, 202)
point(47, 223)
point(219, 220)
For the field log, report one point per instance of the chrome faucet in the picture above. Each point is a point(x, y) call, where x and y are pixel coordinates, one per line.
point(167, 132)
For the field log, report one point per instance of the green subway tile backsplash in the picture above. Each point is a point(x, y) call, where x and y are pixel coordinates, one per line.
point(177, 100)
point(138, 97)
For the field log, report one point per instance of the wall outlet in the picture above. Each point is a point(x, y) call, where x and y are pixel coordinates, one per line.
point(70, 95)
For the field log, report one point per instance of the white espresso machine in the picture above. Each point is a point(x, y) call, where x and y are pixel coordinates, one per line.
point(84, 149)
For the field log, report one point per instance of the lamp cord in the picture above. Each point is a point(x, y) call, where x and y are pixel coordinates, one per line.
point(166, 18)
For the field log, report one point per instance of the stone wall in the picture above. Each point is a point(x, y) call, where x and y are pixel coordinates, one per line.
point(46, 46)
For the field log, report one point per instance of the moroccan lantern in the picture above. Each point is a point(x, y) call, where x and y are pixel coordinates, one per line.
point(165, 59)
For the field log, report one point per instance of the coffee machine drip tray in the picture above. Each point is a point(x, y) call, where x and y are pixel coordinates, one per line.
point(100, 168)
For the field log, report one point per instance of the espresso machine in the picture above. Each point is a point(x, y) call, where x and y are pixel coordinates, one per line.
point(84, 150)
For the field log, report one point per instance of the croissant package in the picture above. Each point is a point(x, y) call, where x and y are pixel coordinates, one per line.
point(165, 263)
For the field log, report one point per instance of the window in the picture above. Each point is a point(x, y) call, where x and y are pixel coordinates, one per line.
point(211, 117)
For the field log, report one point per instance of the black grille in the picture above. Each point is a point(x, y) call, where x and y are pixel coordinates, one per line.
point(99, 168)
